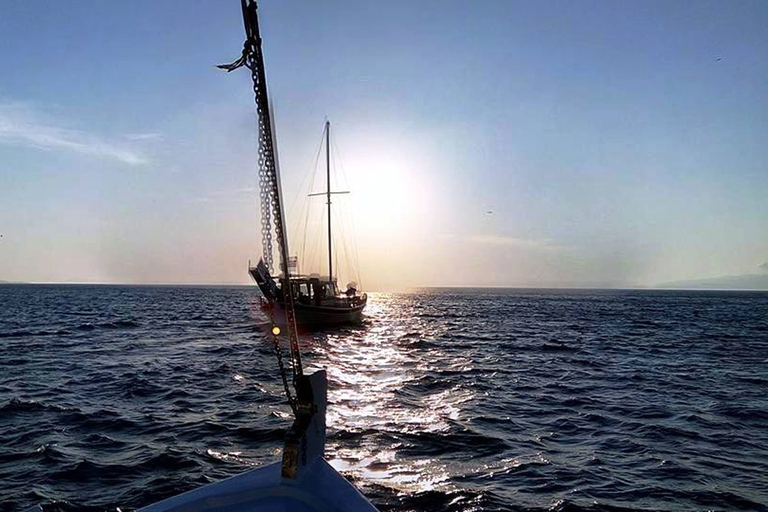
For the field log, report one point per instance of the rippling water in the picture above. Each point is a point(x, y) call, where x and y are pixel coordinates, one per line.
point(451, 400)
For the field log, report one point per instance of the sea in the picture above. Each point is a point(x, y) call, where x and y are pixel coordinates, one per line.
point(442, 400)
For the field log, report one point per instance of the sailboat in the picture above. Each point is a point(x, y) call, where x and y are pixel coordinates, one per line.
point(317, 300)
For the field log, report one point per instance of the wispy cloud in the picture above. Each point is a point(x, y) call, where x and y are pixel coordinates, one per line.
point(504, 241)
point(511, 241)
point(21, 125)
point(145, 136)
point(763, 267)
point(225, 196)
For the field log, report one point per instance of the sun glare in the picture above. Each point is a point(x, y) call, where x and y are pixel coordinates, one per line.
point(388, 193)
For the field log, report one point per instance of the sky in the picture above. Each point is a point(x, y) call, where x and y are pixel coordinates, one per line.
point(486, 143)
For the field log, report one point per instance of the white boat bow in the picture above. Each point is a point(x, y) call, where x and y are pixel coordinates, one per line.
point(302, 481)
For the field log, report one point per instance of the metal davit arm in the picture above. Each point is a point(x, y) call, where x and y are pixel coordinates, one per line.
point(304, 437)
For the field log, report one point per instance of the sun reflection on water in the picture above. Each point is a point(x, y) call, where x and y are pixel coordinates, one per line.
point(386, 397)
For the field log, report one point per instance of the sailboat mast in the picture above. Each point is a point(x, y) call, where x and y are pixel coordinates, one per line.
point(328, 193)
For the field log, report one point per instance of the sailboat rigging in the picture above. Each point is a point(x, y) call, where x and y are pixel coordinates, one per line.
point(328, 193)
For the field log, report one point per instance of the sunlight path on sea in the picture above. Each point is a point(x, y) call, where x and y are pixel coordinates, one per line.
point(384, 397)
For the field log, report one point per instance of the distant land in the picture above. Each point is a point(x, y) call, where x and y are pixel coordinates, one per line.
point(740, 282)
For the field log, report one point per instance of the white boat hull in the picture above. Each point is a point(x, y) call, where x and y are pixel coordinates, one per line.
point(320, 488)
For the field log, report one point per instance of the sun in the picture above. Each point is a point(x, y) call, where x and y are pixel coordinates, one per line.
point(387, 193)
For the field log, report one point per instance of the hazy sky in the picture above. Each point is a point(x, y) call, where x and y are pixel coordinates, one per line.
point(616, 143)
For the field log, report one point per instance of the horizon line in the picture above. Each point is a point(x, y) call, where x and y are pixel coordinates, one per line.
point(402, 289)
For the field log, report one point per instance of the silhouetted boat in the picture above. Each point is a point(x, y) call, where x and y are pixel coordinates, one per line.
point(317, 299)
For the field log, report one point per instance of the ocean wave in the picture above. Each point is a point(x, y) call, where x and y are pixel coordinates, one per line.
point(27, 334)
point(15, 405)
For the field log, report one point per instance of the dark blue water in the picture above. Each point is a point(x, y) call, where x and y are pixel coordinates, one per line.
point(456, 400)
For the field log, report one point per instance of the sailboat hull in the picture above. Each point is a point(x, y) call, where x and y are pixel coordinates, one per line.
point(318, 316)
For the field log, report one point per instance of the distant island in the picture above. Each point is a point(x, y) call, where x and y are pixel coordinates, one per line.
point(740, 282)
